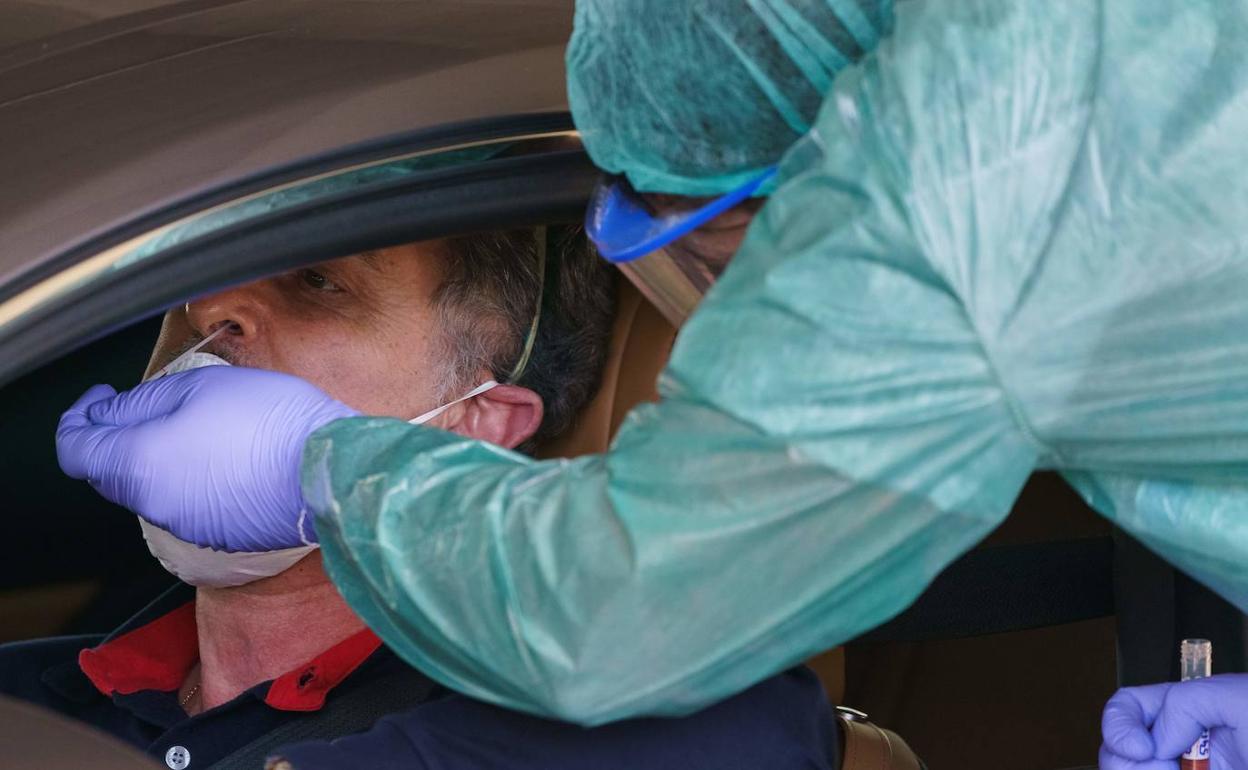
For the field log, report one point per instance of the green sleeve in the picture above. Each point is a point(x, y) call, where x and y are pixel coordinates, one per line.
point(1009, 240)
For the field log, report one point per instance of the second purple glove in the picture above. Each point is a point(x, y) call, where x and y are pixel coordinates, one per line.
point(1148, 728)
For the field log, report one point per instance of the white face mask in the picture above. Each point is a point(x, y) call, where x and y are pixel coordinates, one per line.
point(209, 568)
point(205, 567)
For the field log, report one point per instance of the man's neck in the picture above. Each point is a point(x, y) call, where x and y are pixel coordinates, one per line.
point(253, 633)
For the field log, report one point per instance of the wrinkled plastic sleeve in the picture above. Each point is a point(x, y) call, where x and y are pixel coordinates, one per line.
point(1014, 237)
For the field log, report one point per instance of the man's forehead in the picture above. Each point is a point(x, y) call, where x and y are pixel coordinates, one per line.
point(371, 258)
point(380, 259)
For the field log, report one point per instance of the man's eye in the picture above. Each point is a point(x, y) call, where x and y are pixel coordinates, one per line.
point(318, 281)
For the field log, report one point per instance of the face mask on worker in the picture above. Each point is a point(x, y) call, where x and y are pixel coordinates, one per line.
point(209, 568)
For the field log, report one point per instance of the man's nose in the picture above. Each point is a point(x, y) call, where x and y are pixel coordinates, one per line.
point(239, 308)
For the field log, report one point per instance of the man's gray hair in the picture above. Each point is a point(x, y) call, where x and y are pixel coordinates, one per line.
point(486, 304)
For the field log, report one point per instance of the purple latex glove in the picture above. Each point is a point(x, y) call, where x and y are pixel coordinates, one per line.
point(211, 455)
point(1148, 728)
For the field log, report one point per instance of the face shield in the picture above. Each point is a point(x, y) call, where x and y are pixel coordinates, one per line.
point(628, 232)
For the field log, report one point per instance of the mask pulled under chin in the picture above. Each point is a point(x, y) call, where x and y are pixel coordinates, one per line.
point(208, 568)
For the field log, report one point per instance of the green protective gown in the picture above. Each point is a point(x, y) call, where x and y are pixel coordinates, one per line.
point(1017, 237)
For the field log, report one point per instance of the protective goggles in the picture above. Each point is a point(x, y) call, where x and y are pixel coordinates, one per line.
point(623, 228)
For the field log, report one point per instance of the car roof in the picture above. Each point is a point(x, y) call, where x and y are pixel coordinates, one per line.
point(113, 108)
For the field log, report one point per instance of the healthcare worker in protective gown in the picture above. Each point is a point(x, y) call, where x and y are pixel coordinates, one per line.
point(1010, 238)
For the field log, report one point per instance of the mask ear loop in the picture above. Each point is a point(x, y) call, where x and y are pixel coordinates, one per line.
point(518, 370)
point(427, 416)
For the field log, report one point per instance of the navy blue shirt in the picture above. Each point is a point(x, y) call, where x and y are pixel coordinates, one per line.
point(126, 684)
point(783, 723)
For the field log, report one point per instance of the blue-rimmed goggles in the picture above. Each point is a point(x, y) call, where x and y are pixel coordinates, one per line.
point(624, 228)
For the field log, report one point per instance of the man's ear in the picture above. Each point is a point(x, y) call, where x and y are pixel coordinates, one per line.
point(506, 415)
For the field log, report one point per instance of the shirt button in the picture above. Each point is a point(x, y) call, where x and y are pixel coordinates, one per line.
point(178, 758)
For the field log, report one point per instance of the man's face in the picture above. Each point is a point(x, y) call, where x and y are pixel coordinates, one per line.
point(362, 328)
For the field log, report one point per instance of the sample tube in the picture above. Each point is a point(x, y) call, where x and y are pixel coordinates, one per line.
point(1196, 662)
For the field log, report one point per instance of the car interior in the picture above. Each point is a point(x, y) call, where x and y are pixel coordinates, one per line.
point(1005, 661)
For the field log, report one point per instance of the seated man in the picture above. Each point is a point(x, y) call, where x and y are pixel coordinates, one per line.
point(236, 667)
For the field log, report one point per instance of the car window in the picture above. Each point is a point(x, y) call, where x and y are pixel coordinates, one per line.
point(450, 181)
point(304, 191)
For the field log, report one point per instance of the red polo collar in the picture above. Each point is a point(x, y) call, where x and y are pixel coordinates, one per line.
point(159, 655)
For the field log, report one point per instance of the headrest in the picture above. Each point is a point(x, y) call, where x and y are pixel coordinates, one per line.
point(641, 340)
